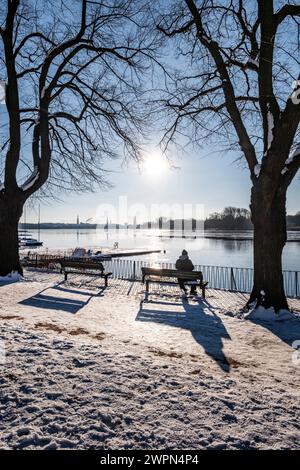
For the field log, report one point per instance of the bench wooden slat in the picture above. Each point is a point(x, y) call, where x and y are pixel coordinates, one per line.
point(163, 276)
point(82, 264)
point(83, 268)
point(172, 273)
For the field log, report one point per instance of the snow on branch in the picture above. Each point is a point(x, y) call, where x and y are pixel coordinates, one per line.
point(252, 63)
point(31, 180)
point(295, 153)
point(257, 169)
point(270, 121)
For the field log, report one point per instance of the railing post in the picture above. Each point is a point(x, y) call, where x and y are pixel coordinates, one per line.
point(296, 283)
point(232, 282)
point(134, 274)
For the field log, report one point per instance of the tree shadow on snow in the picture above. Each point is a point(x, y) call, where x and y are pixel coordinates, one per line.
point(206, 327)
point(287, 331)
point(67, 303)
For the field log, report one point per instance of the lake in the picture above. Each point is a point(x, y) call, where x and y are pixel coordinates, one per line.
point(202, 250)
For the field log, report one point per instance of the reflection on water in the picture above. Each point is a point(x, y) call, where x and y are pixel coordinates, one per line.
point(205, 251)
point(236, 245)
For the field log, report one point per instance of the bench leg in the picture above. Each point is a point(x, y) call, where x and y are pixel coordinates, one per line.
point(105, 281)
point(203, 292)
point(66, 275)
point(147, 291)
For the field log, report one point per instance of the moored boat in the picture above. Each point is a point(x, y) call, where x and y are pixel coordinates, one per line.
point(25, 239)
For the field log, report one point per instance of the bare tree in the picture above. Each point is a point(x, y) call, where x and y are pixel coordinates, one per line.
point(73, 80)
point(239, 83)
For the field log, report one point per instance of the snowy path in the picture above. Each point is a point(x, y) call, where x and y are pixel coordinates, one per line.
point(88, 368)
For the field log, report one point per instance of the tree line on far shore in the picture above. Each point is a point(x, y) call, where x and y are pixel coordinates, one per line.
point(230, 218)
point(235, 218)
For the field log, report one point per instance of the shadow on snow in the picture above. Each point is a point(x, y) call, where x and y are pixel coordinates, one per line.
point(287, 331)
point(67, 304)
point(206, 327)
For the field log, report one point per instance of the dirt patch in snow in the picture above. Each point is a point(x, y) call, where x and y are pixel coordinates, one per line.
point(100, 336)
point(10, 317)
point(159, 352)
point(78, 331)
point(233, 362)
point(50, 327)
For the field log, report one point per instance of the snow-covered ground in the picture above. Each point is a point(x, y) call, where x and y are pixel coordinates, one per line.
point(92, 368)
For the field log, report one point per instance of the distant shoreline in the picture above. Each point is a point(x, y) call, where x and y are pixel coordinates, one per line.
point(58, 226)
point(214, 234)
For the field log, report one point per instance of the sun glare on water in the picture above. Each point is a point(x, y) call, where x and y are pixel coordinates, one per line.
point(154, 166)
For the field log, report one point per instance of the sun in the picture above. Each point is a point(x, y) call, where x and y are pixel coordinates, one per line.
point(154, 165)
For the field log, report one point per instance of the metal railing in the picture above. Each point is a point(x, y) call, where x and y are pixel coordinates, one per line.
point(219, 277)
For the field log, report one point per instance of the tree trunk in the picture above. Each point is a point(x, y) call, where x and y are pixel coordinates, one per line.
point(269, 221)
point(10, 213)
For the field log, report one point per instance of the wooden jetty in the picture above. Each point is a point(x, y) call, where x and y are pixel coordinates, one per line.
point(39, 259)
point(130, 252)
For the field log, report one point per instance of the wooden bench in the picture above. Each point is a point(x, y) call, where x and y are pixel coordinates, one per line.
point(165, 276)
point(87, 268)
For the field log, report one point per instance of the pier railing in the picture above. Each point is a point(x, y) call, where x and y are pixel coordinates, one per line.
point(219, 277)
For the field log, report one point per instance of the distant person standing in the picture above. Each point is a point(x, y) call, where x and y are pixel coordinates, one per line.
point(185, 264)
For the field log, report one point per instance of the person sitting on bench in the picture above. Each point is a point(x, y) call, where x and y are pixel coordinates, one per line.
point(185, 264)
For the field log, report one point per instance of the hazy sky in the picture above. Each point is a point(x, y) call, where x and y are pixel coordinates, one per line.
point(209, 179)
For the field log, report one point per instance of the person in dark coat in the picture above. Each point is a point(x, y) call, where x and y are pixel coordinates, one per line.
point(185, 264)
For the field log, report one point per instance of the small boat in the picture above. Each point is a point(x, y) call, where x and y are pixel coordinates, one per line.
point(30, 242)
point(25, 239)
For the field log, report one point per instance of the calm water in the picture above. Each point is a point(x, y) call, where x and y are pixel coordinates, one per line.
point(203, 251)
